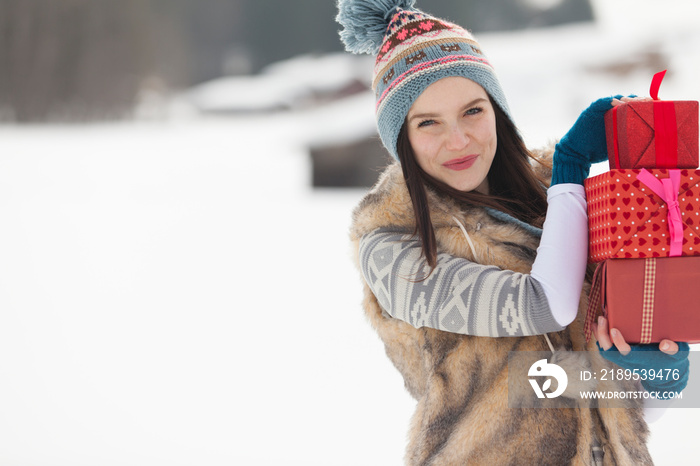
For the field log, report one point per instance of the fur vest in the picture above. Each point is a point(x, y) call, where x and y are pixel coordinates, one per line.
point(460, 382)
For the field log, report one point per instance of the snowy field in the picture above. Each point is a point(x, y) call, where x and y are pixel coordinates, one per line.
point(175, 293)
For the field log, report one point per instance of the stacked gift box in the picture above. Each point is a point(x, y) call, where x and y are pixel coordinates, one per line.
point(644, 222)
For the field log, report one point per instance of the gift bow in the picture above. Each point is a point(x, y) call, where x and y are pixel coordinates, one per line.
point(667, 189)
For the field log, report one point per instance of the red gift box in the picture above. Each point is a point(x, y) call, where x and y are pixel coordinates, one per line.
point(653, 134)
point(643, 213)
point(648, 300)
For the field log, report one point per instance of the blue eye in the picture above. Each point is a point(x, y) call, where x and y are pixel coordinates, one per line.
point(426, 123)
point(474, 111)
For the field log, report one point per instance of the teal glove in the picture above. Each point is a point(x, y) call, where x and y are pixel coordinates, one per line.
point(648, 358)
point(583, 145)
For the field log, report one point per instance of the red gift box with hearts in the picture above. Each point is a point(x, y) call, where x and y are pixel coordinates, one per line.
point(635, 213)
point(653, 134)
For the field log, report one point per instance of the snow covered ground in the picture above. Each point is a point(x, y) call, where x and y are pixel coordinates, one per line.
point(174, 293)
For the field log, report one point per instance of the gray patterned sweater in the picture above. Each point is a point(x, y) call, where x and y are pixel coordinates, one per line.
point(510, 303)
point(461, 296)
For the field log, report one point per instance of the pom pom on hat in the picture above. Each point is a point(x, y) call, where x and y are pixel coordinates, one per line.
point(366, 21)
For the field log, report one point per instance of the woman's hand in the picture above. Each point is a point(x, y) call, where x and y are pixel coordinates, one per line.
point(606, 339)
point(584, 144)
point(668, 358)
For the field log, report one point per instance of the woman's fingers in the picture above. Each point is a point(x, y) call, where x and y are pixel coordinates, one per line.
point(620, 342)
point(636, 99)
point(606, 339)
point(601, 333)
point(668, 347)
point(623, 100)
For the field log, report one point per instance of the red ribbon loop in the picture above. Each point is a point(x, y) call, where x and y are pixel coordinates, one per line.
point(656, 84)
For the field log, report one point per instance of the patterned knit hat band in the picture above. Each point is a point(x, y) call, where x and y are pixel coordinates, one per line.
point(414, 51)
point(409, 32)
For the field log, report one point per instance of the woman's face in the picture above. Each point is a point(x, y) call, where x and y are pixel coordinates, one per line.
point(452, 130)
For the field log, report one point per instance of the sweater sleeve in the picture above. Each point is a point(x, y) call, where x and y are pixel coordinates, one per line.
point(461, 296)
point(560, 265)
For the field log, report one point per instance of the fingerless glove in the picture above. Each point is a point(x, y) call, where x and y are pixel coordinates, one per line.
point(583, 145)
point(649, 357)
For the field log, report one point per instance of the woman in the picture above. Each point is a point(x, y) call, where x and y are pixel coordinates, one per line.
point(461, 268)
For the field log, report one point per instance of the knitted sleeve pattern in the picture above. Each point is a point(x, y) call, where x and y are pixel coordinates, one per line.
point(464, 297)
point(459, 296)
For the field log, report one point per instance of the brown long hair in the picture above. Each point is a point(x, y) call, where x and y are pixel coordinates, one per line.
point(514, 187)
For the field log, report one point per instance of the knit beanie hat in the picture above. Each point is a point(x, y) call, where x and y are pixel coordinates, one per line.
point(413, 51)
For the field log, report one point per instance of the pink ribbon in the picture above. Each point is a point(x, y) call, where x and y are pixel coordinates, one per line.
point(667, 189)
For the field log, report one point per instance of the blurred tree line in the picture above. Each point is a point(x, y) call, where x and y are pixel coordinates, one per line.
point(77, 60)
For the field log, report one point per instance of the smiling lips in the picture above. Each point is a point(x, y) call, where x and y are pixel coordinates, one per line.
point(461, 163)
